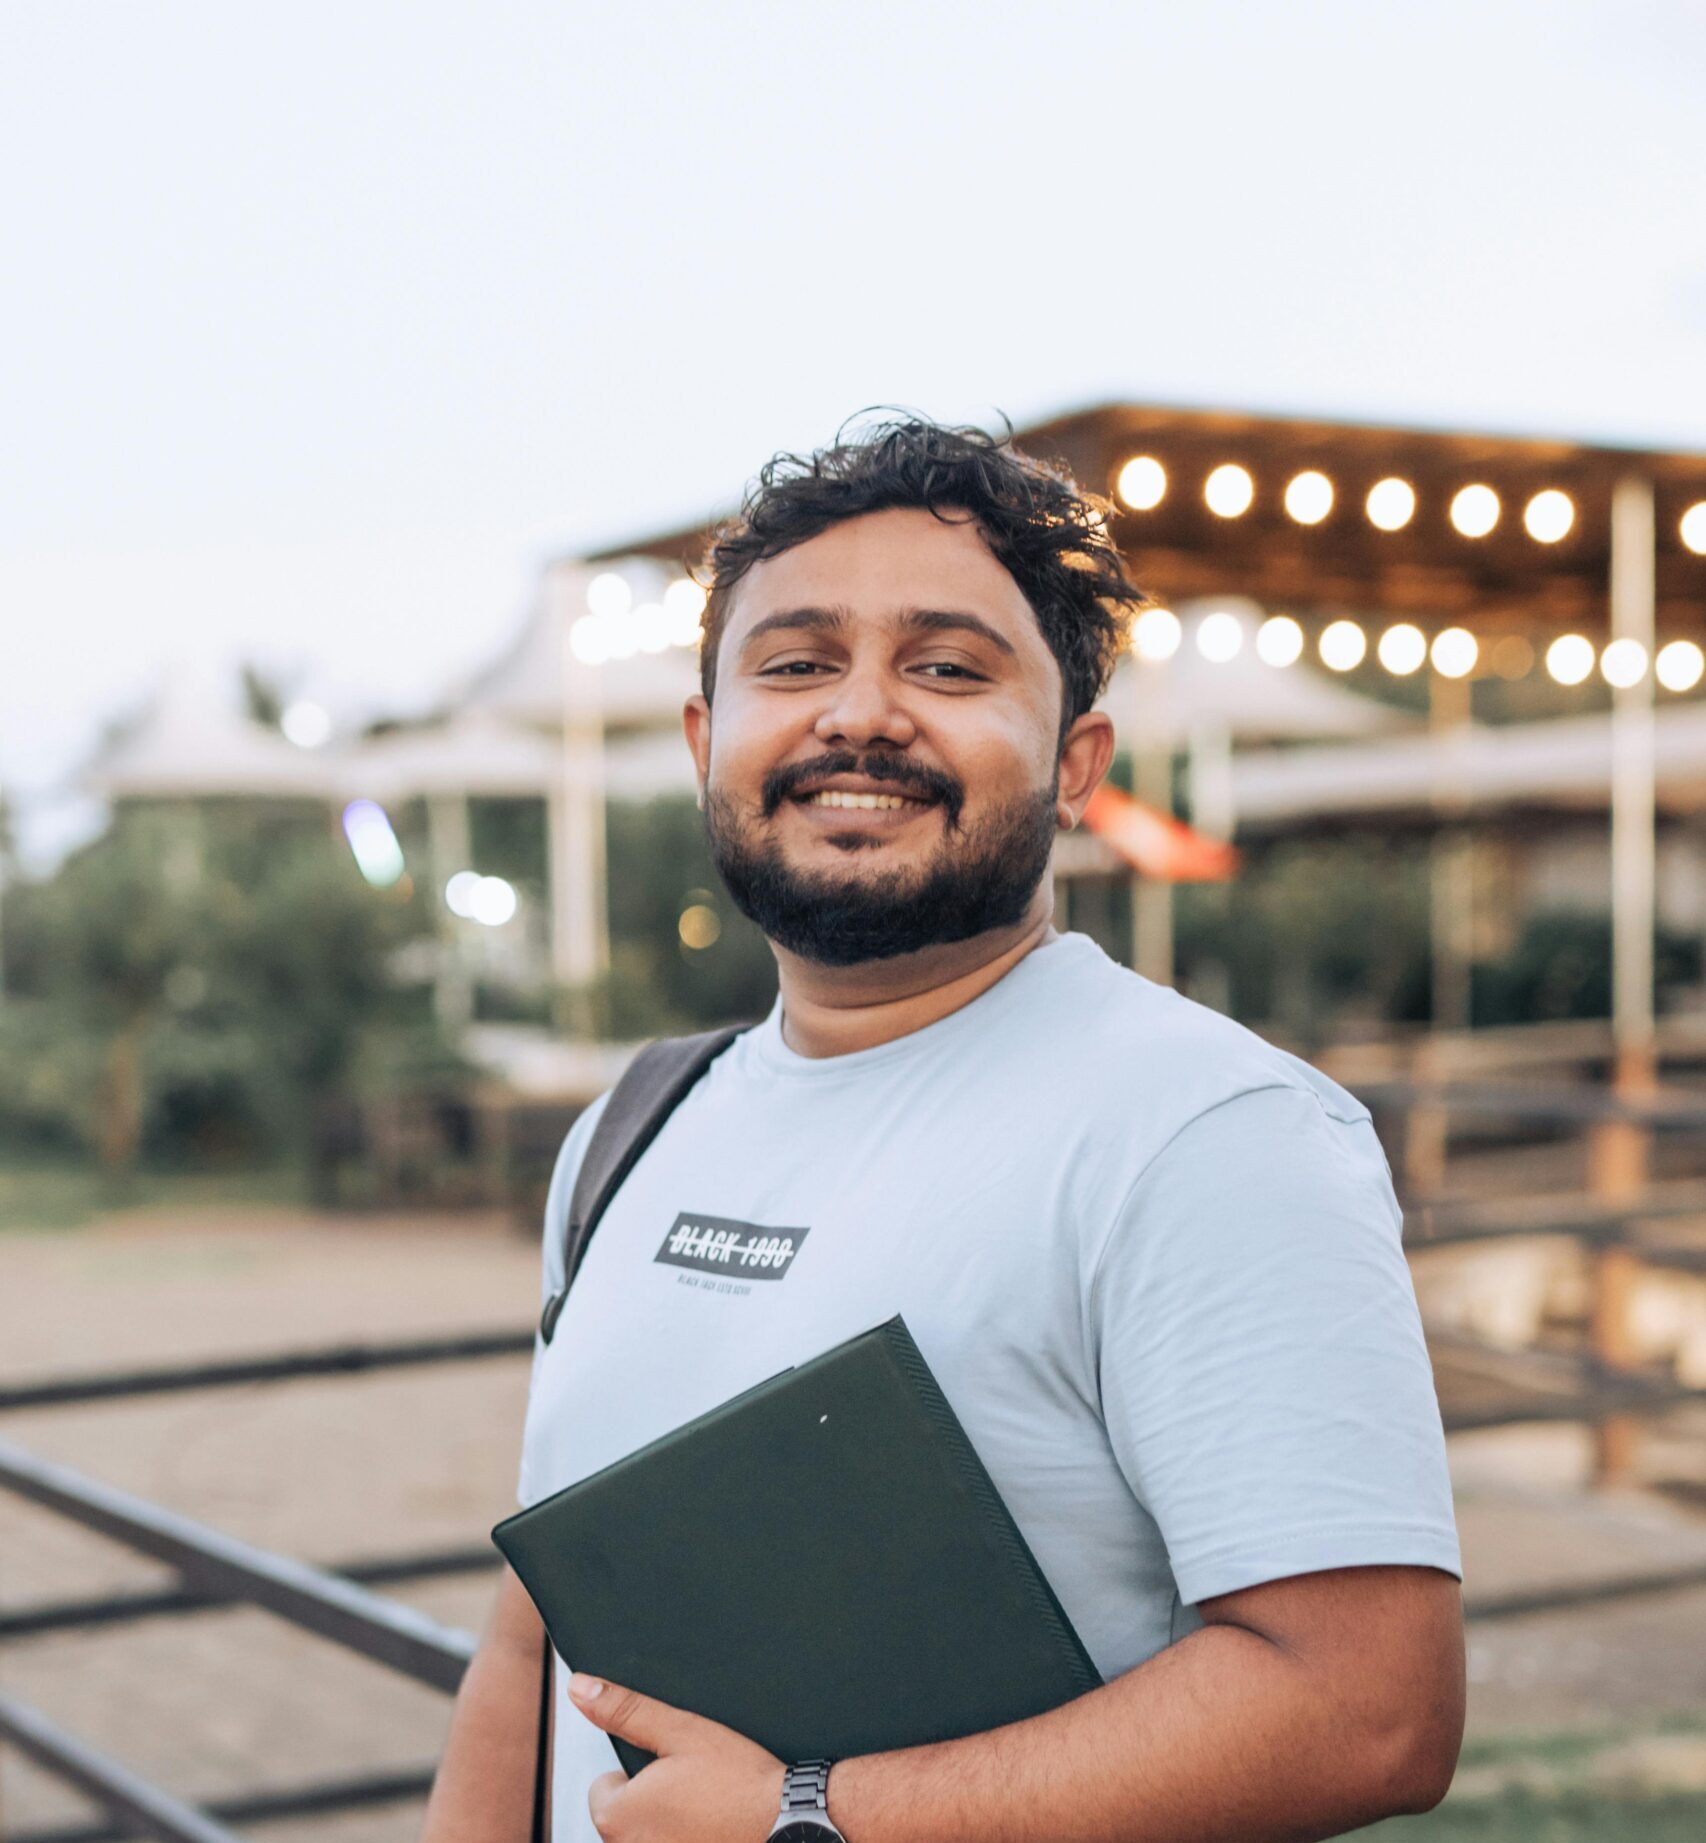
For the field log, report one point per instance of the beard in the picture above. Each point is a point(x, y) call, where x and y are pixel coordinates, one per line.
point(972, 882)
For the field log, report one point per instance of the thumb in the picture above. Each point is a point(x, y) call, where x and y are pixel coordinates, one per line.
point(659, 1727)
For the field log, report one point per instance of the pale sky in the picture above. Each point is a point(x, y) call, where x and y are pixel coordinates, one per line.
point(323, 323)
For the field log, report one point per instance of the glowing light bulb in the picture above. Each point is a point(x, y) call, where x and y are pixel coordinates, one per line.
point(699, 926)
point(1454, 652)
point(491, 902)
point(1693, 528)
point(1279, 641)
point(1342, 645)
point(307, 725)
point(651, 627)
point(1402, 649)
point(1569, 659)
point(1220, 636)
point(1229, 491)
point(1142, 483)
point(1156, 633)
point(621, 637)
point(1475, 510)
point(1623, 663)
point(459, 893)
point(609, 596)
point(1391, 504)
point(374, 845)
point(1679, 665)
point(684, 607)
point(1548, 516)
point(588, 640)
point(1309, 497)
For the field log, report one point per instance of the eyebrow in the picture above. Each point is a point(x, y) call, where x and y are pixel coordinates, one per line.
point(914, 620)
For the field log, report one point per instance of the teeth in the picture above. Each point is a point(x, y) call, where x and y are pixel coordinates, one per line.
point(870, 802)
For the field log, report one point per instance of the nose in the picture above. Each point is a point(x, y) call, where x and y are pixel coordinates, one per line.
point(862, 708)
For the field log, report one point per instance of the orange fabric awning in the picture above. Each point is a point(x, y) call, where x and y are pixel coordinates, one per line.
point(1156, 843)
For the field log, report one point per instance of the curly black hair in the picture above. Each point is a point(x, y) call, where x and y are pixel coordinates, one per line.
point(1048, 533)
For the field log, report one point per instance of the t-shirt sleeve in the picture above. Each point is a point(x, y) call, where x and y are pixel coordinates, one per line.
point(1263, 1375)
point(552, 1251)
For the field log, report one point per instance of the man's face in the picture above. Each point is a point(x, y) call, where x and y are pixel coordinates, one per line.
point(891, 655)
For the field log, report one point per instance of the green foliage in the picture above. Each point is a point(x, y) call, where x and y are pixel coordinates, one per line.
point(1560, 967)
point(195, 980)
point(660, 865)
point(1316, 931)
point(1312, 929)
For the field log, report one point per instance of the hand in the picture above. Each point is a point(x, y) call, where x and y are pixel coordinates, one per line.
point(707, 1784)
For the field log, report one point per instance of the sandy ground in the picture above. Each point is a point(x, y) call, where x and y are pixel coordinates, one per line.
point(233, 1701)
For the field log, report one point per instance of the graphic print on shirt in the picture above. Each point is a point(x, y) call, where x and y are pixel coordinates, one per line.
point(737, 1252)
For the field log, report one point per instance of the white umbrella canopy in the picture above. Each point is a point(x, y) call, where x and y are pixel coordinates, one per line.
point(529, 680)
point(1243, 697)
point(1562, 762)
point(475, 754)
point(1255, 701)
point(192, 743)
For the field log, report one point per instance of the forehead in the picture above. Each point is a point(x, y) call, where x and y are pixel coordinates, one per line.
point(884, 562)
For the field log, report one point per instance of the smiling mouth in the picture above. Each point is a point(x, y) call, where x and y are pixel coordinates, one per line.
point(840, 800)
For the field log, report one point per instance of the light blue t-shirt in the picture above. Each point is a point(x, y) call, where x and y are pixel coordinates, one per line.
point(1153, 1261)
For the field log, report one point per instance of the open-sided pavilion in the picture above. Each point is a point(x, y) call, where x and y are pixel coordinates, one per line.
point(1482, 551)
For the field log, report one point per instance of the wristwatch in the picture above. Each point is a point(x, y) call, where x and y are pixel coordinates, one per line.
point(805, 1806)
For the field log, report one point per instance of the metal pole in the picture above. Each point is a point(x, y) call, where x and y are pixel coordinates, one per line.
point(126, 1794)
point(398, 1636)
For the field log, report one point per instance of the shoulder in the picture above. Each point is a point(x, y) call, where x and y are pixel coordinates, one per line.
point(1145, 1052)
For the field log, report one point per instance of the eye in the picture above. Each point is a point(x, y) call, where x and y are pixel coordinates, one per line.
point(777, 671)
point(947, 665)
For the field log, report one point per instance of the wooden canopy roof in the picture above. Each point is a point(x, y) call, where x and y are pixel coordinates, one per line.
point(1427, 570)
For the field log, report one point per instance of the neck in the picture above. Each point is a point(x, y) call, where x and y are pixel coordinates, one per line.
point(834, 1010)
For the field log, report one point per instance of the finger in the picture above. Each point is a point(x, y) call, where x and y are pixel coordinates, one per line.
point(659, 1727)
point(599, 1795)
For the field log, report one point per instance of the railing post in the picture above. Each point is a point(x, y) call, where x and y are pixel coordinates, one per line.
point(1426, 1126)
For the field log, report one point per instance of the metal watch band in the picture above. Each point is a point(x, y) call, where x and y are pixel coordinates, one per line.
point(805, 1787)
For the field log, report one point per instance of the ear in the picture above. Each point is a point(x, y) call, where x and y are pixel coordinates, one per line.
point(696, 722)
point(1085, 757)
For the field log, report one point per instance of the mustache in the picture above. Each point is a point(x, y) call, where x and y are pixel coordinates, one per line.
point(896, 771)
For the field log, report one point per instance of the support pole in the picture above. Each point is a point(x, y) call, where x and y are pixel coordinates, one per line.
point(580, 942)
point(449, 850)
point(1152, 783)
point(1213, 814)
point(1621, 1148)
point(1450, 934)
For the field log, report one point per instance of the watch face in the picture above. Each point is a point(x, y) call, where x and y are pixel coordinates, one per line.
point(804, 1830)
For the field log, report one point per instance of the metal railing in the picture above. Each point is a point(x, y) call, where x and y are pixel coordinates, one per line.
point(1597, 1385)
point(215, 1569)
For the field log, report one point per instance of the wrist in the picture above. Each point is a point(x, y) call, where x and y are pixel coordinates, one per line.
point(803, 1815)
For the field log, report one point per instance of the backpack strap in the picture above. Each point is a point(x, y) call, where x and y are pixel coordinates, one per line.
point(651, 1088)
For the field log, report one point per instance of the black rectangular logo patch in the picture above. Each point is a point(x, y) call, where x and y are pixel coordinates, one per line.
point(715, 1244)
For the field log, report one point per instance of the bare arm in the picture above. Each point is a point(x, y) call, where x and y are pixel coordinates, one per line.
point(1303, 1708)
point(483, 1792)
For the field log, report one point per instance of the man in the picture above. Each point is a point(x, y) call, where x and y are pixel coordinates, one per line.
point(1153, 1260)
